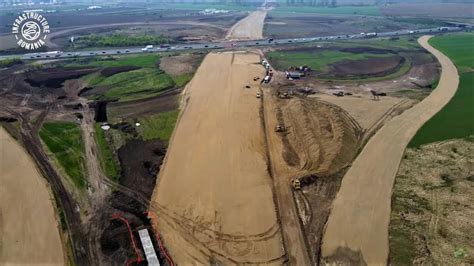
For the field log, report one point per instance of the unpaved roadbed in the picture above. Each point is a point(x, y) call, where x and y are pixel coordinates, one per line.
point(248, 28)
point(357, 228)
point(214, 194)
point(29, 231)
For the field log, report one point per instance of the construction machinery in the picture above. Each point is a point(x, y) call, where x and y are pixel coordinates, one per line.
point(280, 128)
point(296, 183)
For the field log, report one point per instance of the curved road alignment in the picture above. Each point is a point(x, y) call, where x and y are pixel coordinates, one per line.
point(357, 227)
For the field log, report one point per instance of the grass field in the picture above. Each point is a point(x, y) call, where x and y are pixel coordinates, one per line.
point(456, 119)
point(340, 10)
point(158, 126)
point(64, 140)
point(148, 81)
point(136, 84)
point(146, 60)
point(107, 159)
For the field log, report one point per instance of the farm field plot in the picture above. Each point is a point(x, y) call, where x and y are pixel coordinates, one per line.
point(213, 198)
point(431, 205)
point(64, 141)
point(455, 120)
point(340, 10)
point(283, 24)
point(29, 231)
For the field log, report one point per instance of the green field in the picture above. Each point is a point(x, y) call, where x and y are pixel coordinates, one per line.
point(159, 126)
point(145, 60)
point(107, 159)
point(119, 40)
point(148, 81)
point(340, 10)
point(136, 84)
point(456, 119)
point(65, 141)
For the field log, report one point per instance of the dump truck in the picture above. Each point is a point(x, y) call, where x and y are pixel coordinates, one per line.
point(266, 79)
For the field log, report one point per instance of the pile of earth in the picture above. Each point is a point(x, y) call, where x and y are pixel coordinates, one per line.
point(54, 77)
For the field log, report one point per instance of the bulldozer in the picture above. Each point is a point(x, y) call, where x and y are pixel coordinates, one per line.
point(280, 128)
point(296, 184)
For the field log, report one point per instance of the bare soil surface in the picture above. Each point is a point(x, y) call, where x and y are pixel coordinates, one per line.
point(367, 111)
point(444, 10)
point(29, 232)
point(248, 28)
point(357, 228)
point(320, 140)
point(214, 200)
point(432, 211)
point(180, 64)
point(372, 67)
point(283, 25)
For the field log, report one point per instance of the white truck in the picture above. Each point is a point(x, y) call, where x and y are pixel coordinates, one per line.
point(371, 34)
point(147, 48)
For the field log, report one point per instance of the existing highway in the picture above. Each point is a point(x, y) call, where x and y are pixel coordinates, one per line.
point(225, 44)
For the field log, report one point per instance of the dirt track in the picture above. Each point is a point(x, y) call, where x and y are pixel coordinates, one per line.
point(28, 227)
point(214, 193)
point(248, 28)
point(357, 229)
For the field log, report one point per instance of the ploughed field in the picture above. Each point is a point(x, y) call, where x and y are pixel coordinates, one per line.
point(213, 198)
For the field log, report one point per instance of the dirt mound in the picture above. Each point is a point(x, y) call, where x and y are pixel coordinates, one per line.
point(373, 67)
point(109, 71)
point(140, 161)
point(321, 137)
point(54, 77)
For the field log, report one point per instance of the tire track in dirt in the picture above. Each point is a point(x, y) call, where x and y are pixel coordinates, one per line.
point(357, 228)
point(213, 198)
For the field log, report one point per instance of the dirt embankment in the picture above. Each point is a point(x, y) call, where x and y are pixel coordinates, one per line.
point(320, 140)
point(364, 197)
point(214, 199)
point(248, 28)
point(321, 137)
point(29, 231)
point(432, 211)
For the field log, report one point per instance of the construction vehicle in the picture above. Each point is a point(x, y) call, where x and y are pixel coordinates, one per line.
point(280, 128)
point(296, 184)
